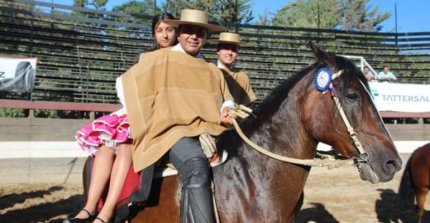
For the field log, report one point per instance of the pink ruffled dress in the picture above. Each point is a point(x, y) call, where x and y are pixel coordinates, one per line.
point(110, 130)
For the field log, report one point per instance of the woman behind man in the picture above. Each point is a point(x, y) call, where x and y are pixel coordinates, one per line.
point(108, 139)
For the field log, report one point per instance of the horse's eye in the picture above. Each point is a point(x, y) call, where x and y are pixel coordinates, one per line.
point(352, 95)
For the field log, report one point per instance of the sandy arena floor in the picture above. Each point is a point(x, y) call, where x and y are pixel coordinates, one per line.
point(336, 195)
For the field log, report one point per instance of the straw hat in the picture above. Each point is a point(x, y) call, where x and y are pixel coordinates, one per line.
point(196, 18)
point(230, 38)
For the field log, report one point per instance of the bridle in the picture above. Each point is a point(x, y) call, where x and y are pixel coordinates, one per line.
point(363, 156)
point(361, 159)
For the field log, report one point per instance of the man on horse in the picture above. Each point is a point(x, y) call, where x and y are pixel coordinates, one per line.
point(172, 97)
point(237, 80)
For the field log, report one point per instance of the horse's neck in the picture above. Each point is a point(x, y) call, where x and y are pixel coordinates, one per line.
point(281, 133)
point(259, 182)
point(284, 133)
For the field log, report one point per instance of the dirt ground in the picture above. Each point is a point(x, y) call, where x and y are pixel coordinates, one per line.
point(336, 195)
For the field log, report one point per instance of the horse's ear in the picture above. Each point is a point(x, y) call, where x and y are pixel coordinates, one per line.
point(322, 56)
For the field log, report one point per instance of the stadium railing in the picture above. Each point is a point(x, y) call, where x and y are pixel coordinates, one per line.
point(80, 56)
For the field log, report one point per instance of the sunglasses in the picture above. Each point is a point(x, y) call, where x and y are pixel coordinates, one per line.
point(190, 30)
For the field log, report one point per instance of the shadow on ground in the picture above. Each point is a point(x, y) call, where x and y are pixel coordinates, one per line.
point(12, 199)
point(317, 213)
point(41, 211)
point(388, 209)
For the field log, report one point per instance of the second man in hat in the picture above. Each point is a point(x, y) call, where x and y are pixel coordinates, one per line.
point(238, 81)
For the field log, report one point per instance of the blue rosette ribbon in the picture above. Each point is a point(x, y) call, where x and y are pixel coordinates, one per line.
point(323, 79)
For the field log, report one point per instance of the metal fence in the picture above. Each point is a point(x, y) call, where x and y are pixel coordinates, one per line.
point(81, 51)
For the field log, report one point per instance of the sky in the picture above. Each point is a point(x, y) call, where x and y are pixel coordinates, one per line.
point(412, 15)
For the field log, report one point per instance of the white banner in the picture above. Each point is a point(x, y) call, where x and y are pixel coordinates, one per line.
point(17, 73)
point(401, 97)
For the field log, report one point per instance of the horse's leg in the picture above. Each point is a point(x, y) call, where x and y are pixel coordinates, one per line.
point(420, 178)
point(421, 194)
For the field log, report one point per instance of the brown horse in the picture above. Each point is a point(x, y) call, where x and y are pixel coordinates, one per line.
point(415, 181)
point(251, 187)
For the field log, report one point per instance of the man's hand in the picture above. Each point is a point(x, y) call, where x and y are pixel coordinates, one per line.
point(226, 118)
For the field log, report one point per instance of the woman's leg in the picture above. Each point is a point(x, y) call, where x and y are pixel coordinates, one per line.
point(100, 174)
point(120, 169)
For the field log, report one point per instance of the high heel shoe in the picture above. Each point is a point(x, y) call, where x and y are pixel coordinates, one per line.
point(90, 218)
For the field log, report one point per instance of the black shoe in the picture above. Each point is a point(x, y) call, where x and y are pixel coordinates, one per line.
point(90, 218)
point(101, 220)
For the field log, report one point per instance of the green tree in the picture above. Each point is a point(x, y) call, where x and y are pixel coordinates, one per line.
point(175, 7)
point(97, 4)
point(226, 12)
point(353, 15)
point(263, 19)
point(235, 12)
point(356, 16)
point(92, 4)
point(309, 14)
point(146, 7)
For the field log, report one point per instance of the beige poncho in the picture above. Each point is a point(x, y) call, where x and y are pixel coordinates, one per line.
point(239, 86)
point(170, 95)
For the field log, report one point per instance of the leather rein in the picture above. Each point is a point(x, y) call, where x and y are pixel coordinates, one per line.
point(363, 158)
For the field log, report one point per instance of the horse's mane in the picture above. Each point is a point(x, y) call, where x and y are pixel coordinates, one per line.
point(352, 72)
point(272, 102)
point(229, 139)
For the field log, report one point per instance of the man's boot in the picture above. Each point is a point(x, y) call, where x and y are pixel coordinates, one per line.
point(196, 197)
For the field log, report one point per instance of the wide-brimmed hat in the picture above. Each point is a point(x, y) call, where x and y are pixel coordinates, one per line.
point(196, 18)
point(230, 38)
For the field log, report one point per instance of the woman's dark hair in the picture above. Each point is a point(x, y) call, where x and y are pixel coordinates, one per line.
point(158, 18)
point(155, 20)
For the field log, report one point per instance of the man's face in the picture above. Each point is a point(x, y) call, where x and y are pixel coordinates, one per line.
point(192, 38)
point(386, 69)
point(366, 70)
point(227, 53)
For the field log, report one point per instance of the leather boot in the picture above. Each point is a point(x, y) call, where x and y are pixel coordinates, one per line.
point(196, 197)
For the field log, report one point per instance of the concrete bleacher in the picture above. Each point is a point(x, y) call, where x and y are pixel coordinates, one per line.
point(79, 57)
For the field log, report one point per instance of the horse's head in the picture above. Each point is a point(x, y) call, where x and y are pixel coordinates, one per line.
point(373, 150)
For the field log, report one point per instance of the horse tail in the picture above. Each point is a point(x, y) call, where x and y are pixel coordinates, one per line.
point(406, 189)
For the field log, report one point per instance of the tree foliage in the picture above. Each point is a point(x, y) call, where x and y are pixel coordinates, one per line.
point(355, 15)
point(97, 4)
point(235, 12)
point(146, 7)
point(264, 19)
point(175, 6)
point(226, 12)
point(309, 14)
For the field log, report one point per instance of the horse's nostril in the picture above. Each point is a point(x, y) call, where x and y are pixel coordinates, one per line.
point(392, 166)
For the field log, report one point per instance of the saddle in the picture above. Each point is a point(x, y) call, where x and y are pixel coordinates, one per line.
point(208, 144)
point(137, 186)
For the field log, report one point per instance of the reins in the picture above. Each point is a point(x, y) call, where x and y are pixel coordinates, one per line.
point(243, 112)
